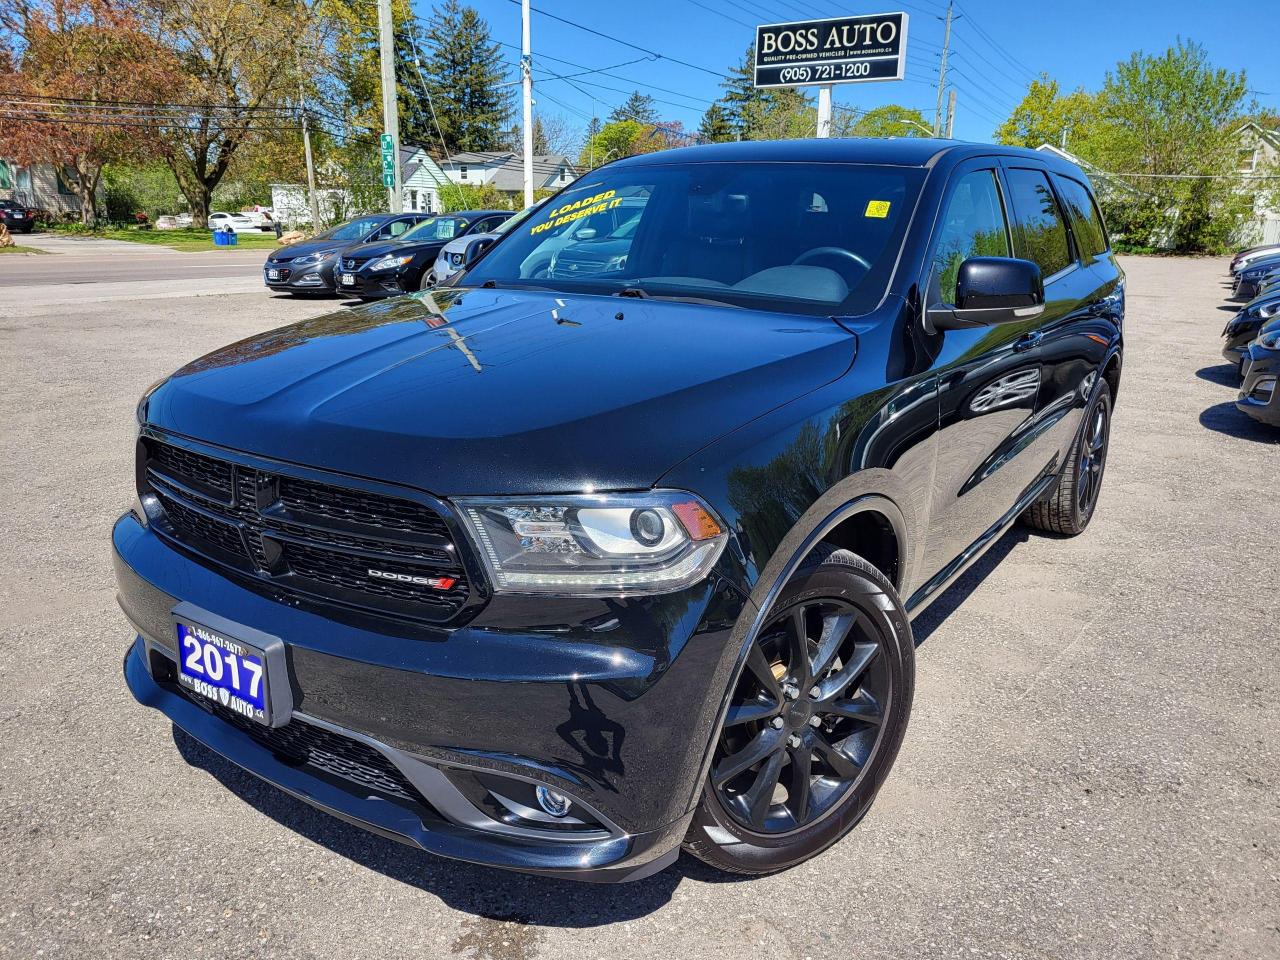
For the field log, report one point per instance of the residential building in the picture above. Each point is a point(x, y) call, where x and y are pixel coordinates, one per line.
point(1258, 155)
point(41, 186)
point(504, 171)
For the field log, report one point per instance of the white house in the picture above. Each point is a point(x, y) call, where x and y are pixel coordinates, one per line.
point(504, 170)
point(41, 186)
point(1258, 154)
point(423, 179)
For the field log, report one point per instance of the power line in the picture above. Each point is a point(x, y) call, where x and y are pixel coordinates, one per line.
point(1008, 56)
point(91, 102)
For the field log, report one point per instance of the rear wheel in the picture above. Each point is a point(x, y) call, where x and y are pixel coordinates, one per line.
point(814, 723)
point(1069, 506)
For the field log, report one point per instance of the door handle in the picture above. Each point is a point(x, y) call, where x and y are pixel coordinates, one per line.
point(1027, 341)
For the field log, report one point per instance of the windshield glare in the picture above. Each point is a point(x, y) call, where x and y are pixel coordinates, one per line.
point(355, 230)
point(811, 238)
point(437, 228)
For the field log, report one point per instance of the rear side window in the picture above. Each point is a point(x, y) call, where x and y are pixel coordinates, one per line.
point(1086, 222)
point(1039, 232)
point(972, 225)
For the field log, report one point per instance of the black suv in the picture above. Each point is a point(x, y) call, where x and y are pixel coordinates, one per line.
point(561, 573)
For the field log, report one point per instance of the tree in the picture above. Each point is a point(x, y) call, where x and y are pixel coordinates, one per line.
point(715, 126)
point(241, 60)
point(1044, 115)
point(890, 120)
point(626, 138)
point(639, 107)
point(95, 54)
point(464, 75)
point(756, 113)
point(1171, 119)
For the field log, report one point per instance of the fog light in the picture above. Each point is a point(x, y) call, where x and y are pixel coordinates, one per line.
point(556, 804)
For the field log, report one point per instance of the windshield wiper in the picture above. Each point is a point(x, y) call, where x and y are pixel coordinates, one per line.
point(638, 292)
point(641, 294)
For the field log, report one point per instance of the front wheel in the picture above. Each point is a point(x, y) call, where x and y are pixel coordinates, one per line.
point(814, 723)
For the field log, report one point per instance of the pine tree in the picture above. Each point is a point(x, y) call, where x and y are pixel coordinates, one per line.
point(716, 126)
point(741, 94)
point(464, 73)
point(639, 107)
point(774, 113)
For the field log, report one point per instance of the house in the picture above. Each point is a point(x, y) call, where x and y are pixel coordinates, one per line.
point(423, 179)
point(42, 186)
point(1258, 155)
point(504, 170)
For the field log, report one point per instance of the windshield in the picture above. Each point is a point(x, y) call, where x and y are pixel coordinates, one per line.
point(811, 238)
point(354, 230)
point(507, 225)
point(437, 228)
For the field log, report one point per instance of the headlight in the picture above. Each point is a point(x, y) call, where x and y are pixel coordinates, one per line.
point(390, 262)
point(1270, 340)
point(310, 258)
point(590, 545)
point(1269, 310)
point(616, 263)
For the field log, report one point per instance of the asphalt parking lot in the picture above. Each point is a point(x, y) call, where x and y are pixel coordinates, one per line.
point(1092, 768)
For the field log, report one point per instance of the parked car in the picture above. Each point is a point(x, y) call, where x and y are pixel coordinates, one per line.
point(558, 574)
point(306, 267)
point(403, 264)
point(166, 222)
point(595, 252)
point(16, 217)
point(1244, 327)
point(1255, 275)
point(184, 219)
point(455, 254)
point(1260, 371)
point(1245, 257)
point(235, 222)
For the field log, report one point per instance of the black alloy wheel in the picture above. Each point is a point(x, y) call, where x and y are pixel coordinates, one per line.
point(1070, 503)
point(814, 723)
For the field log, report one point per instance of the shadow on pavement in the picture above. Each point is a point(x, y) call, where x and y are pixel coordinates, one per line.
point(1225, 418)
point(1223, 374)
point(495, 895)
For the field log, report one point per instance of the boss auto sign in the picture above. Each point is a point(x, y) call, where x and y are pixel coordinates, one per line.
point(838, 50)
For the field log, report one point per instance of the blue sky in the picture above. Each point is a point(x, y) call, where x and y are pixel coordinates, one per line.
point(997, 44)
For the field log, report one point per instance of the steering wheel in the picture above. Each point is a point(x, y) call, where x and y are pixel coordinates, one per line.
point(831, 252)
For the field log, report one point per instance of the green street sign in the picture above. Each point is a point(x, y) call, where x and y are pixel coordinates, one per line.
point(388, 178)
point(388, 145)
point(388, 161)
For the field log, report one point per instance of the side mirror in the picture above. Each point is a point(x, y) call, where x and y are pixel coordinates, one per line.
point(586, 233)
point(474, 250)
point(991, 290)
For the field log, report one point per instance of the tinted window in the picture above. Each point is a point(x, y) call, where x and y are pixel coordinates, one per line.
point(806, 238)
point(355, 230)
point(1086, 222)
point(972, 225)
point(1039, 233)
point(437, 228)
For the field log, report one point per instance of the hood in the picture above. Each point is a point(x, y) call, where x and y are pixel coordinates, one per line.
point(501, 391)
point(303, 247)
point(371, 250)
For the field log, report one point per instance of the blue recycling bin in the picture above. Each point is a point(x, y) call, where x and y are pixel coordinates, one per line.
point(218, 239)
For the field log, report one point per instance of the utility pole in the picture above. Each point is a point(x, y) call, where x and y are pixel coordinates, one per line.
point(306, 149)
point(526, 83)
point(951, 111)
point(824, 110)
point(390, 109)
point(942, 73)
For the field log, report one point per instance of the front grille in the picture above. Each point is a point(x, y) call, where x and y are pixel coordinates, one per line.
point(304, 744)
point(315, 538)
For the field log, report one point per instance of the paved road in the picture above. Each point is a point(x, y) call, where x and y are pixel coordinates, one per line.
point(85, 270)
point(1092, 770)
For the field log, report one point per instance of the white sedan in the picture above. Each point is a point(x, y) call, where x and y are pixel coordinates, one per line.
point(236, 221)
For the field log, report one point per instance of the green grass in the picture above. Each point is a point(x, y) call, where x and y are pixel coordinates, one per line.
point(20, 249)
point(189, 239)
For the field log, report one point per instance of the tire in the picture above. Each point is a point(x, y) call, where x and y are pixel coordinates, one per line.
point(849, 605)
point(1070, 505)
point(424, 280)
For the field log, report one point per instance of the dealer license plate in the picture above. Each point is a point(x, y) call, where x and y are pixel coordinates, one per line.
point(224, 670)
point(348, 279)
point(273, 274)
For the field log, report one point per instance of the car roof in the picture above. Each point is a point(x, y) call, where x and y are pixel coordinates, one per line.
point(892, 151)
point(477, 214)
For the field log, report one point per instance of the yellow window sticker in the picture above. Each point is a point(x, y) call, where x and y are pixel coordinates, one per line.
point(877, 208)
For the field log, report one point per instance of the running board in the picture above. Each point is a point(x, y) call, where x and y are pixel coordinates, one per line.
point(944, 577)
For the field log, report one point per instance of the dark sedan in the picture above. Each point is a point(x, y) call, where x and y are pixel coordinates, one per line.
point(1243, 328)
point(307, 266)
point(1259, 397)
point(1251, 280)
point(16, 217)
point(404, 265)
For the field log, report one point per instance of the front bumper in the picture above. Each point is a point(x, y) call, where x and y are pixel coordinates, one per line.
point(1260, 390)
point(384, 283)
point(619, 720)
point(1237, 344)
point(313, 277)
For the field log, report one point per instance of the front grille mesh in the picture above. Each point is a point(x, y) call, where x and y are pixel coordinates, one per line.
point(300, 534)
point(304, 744)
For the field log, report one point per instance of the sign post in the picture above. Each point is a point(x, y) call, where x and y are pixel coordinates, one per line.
point(826, 52)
